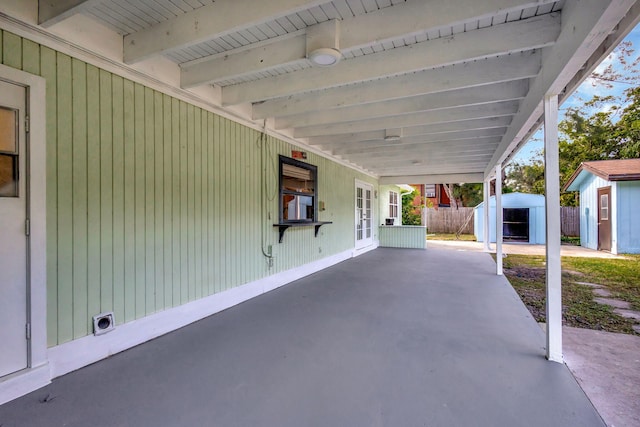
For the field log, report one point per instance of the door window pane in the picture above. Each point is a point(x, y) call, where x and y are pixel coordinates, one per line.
point(604, 207)
point(8, 122)
point(8, 175)
point(8, 153)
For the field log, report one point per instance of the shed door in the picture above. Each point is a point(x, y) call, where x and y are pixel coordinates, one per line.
point(13, 240)
point(515, 226)
point(604, 219)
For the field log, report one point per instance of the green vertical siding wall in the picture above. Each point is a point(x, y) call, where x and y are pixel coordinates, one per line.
point(403, 236)
point(153, 202)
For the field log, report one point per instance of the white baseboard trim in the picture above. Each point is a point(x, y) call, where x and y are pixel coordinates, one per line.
point(23, 382)
point(360, 251)
point(73, 355)
point(68, 357)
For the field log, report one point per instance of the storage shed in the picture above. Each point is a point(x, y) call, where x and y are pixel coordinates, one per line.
point(609, 204)
point(524, 219)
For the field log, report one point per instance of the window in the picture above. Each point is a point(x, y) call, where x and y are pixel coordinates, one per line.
point(430, 190)
point(8, 152)
point(393, 204)
point(297, 191)
point(604, 207)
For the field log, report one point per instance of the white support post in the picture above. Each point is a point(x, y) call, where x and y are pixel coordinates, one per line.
point(499, 219)
point(487, 207)
point(552, 202)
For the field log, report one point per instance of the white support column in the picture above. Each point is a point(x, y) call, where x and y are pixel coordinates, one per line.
point(499, 219)
point(552, 200)
point(486, 186)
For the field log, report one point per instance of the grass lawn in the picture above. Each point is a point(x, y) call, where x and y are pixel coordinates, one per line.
point(575, 241)
point(620, 276)
point(451, 236)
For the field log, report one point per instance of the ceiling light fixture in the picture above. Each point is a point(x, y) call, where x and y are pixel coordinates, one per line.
point(325, 57)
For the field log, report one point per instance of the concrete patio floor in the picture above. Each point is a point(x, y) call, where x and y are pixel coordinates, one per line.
point(520, 249)
point(395, 337)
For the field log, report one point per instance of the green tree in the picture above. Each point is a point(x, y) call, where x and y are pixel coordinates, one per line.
point(409, 217)
point(468, 195)
point(603, 135)
point(526, 178)
point(612, 133)
point(601, 128)
point(628, 128)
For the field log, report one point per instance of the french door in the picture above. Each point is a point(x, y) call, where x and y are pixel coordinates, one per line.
point(364, 215)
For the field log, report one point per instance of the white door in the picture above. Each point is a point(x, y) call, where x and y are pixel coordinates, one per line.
point(13, 240)
point(364, 215)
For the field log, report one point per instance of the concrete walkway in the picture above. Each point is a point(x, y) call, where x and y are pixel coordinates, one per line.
point(395, 337)
point(519, 248)
point(607, 366)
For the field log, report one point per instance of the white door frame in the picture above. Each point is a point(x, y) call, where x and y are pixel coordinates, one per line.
point(366, 242)
point(37, 373)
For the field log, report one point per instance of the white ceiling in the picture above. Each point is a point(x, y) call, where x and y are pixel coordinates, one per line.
point(460, 81)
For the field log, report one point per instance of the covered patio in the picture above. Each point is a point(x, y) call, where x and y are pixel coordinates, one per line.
point(155, 135)
point(394, 337)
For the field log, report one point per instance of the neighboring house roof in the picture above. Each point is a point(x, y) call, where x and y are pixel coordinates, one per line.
point(610, 170)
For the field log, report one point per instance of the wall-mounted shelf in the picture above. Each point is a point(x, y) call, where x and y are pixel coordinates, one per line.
point(282, 227)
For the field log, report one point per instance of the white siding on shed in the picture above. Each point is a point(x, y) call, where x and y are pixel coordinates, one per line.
point(589, 211)
point(627, 214)
point(537, 220)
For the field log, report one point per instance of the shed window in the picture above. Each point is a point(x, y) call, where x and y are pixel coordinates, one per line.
point(297, 191)
point(393, 204)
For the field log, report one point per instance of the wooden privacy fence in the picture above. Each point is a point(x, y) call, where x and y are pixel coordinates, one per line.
point(570, 221)
point(449, 220)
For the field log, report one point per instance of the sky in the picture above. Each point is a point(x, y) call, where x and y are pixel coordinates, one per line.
point(584, 92)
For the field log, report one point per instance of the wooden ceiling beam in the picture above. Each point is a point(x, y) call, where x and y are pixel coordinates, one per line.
point(53, 12)
point(503, 39)
point(422, 130)
point(487, 94)
point(477, 73)
point(414, 143)
point(205, 23)
point(390, 23)
point(504, 108)
point(433, 178)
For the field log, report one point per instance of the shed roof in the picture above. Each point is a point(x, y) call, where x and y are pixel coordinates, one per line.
point(610, 170)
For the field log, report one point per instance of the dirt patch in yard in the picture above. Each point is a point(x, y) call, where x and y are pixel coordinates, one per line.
point(578, 308)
